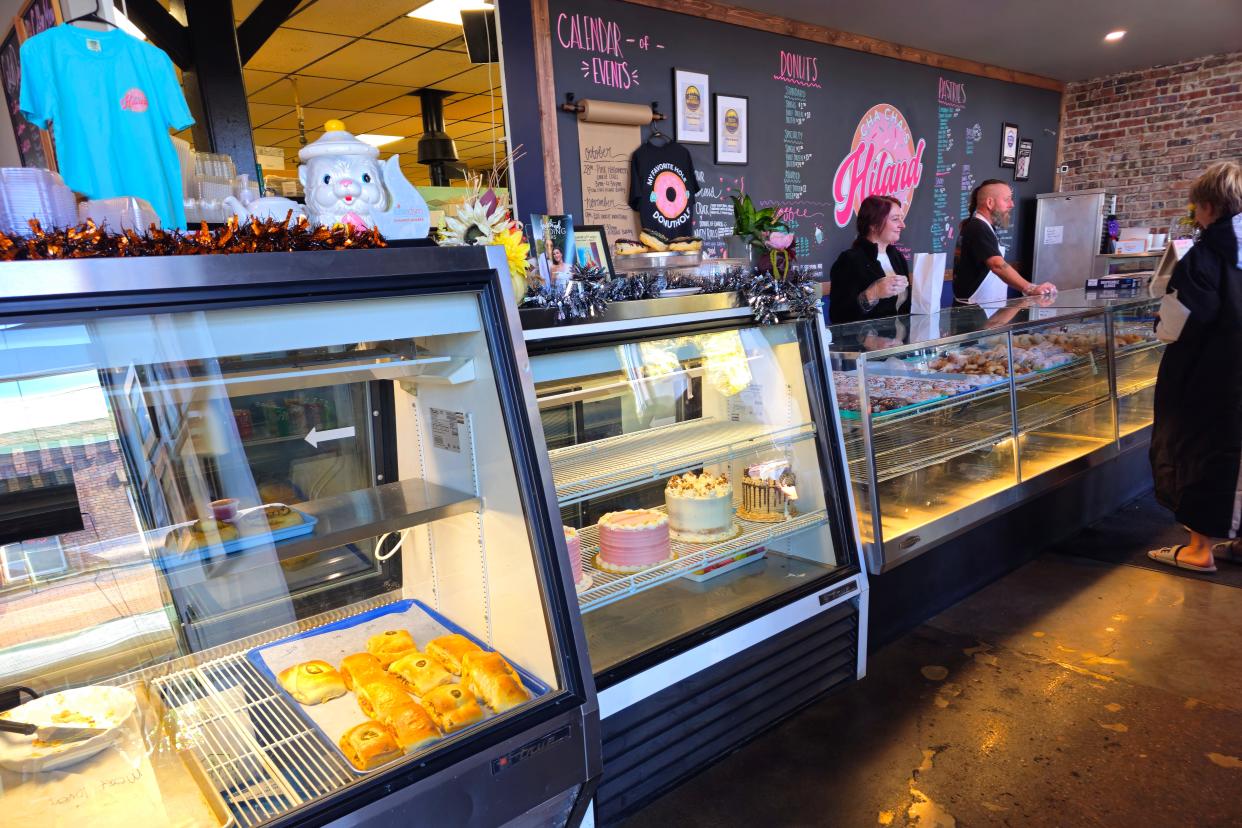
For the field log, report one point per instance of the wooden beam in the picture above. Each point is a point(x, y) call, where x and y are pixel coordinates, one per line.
point(164, 30)
point(751, 19)
point(548, 111)
point(261, 24)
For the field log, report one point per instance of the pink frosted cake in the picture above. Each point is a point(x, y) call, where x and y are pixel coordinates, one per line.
point(632, 540)
point(573, 543)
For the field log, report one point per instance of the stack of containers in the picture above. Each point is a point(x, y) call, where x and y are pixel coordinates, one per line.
point(117, 214)
point(30, 193)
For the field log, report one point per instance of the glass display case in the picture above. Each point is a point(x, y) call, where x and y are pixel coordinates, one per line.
point(951, 417)
point(712, 436)
point(284, 540)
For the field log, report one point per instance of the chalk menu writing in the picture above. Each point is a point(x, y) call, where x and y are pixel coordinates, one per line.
point(713, 210)
point(601, 38)
point(947, 208)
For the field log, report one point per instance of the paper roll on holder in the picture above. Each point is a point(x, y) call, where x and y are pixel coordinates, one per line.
point(575, 106)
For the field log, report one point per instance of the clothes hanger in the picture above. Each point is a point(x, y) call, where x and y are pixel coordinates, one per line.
point(655, 130)
point(93, 17)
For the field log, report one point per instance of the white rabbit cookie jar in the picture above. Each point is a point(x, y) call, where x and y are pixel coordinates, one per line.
point(341, 178)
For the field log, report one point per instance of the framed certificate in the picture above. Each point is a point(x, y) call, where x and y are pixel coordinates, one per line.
point(690, 98)
point(732, 129)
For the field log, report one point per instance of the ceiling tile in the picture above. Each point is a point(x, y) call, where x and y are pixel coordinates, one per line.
point(457, 44)
point(349, 18)
point(288, 50)
point(314, 118)
point(243, 8)
point(462, 129)
point(472, 106)
point(425, 69)
point(273, 137)
point(360, 122)
point(261, 114)
point(407, 105)
point(362, 59)
point(256, 80)
point(479, 79)
point(415, 32)
point(310, 89)
point(406, 126)
point(361, 96)
point(295, 142)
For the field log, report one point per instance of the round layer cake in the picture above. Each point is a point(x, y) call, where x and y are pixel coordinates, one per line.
point(768, 492)
point(700, 507)
point(573, 544)
point(632, 540)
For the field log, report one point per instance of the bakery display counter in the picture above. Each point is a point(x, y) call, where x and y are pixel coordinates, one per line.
point(701, 484)
point(304, 583)
point(951, 417)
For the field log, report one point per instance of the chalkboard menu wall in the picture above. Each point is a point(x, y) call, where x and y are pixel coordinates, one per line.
point(817, 114)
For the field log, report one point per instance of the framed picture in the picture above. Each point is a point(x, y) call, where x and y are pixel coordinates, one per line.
point(1022, 168)
point(1009, 145)
point(37, 16)
point(591, 247)
point(732, 129)
point(34, 145)
point(690, 98)
point(553, 238)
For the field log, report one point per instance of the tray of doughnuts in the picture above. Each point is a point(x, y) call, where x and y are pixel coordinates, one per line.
point(393, 681)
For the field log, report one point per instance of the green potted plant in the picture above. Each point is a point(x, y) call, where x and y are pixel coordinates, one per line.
point(751, 228)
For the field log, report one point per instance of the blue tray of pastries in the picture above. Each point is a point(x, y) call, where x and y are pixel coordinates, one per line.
point(332, 642)
point(174, 557)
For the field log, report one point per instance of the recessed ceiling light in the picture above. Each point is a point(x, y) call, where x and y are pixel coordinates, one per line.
point(378, 140)
point(448, 11)
point(1113, 37)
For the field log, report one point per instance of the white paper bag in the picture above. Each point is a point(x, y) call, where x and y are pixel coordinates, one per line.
point(926, 282)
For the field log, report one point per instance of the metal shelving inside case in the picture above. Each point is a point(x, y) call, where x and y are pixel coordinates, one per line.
point(604, 466)
point(607, 587)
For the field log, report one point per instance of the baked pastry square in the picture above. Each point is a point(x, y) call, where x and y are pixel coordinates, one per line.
point(448, 650)
point(452, 707)
point(369, 745)
point(380, 697)
point(359, 667)
point(312, 682)
point(390, 645)
point(413, 727)
point(493, 680)
point(420, 672)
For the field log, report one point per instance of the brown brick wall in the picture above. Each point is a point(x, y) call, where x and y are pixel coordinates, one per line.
point(1146, 135)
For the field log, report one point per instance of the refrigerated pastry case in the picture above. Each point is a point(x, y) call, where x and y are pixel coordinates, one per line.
point(688, 651)
point(221, 569)
point(953, 418)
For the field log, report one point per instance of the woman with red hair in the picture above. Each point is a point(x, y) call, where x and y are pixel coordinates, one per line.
point(870, 279)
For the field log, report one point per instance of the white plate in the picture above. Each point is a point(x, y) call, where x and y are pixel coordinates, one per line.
point(686, 291)
point(107, 707)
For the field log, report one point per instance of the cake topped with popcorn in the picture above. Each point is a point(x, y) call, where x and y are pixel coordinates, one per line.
point(700, 507)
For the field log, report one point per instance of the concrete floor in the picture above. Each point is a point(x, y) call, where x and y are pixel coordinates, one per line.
point(1071, 692)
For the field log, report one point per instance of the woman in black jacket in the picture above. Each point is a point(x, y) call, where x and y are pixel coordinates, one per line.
point(1196, 442)
point(870, 279)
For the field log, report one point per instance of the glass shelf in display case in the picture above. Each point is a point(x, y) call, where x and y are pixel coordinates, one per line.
point(627, 409)
point(940, 430)
point(248, 485)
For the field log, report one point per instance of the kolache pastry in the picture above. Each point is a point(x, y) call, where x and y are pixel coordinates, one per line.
point(312, 682)
point(700, 507)
point(359, 667)
point(203, 533)
point(493, 680)
point(453, 707)
point(390, 645)
point(369, 745)
point(632, 540)
point(449, 649)
point(420, 672)
point(413, 727)
point(379, 697)
point(270, 517)
point(768, 492)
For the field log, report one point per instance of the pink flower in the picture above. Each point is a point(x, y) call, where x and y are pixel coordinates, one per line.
point(780, 241)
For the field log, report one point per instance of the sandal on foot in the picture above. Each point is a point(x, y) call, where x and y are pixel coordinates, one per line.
point(1168, 555)
point(1228, 551)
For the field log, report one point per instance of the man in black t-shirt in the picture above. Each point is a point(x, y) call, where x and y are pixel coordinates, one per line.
point(981, 274)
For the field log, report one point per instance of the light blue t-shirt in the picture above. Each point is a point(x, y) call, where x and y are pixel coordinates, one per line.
point(111, 99)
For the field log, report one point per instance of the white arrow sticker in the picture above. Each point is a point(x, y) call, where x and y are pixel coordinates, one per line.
point(317, 437)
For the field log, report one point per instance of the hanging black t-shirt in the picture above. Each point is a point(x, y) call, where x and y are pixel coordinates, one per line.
point(975, 246)
point(662, 189)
